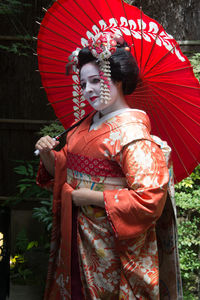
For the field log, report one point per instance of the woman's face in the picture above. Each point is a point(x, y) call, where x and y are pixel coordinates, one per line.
point(90, 83)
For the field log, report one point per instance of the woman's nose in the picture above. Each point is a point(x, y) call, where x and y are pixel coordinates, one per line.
point(88, 87)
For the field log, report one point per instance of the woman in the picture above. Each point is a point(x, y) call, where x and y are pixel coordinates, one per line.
point(117, 177)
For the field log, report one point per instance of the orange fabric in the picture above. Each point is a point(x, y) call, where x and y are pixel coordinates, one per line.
point(118, 254)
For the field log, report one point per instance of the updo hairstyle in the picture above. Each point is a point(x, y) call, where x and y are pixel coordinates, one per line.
point(122, 64)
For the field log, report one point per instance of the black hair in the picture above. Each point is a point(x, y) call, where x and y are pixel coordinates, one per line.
point(122, 64)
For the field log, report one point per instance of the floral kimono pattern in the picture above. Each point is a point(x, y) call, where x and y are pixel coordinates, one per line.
point(119, 248)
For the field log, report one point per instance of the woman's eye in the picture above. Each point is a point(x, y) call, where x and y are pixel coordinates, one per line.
point(96, 80)
point(83, 85)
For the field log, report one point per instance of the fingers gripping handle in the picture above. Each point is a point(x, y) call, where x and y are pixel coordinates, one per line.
point(37, 152)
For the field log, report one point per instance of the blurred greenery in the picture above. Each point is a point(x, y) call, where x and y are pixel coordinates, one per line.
point(188, 206)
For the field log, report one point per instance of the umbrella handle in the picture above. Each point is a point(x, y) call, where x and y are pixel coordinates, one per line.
point(56, 138)
point(37, 152)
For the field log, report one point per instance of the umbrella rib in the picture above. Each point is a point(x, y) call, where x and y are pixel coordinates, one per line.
point(55, 32)
point(198, 142)
point(53, 45)
point(56, 86)
point(168, 52)
point(178, 107)
point(49, 72)
point(73, 16)
point(165, 128)
point(166, 72)
point(98, 13)
point(85, 13)
point(155, 111)
point(179, 85)
point(141, 51)
point(170, 93)
point(150, 53)
point(157, 126)
point(114, 17)
point(122, 2)
point(51, 58)
point(47, 11)
point(66, 99)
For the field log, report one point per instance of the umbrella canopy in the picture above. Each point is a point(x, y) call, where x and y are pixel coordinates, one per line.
point(167, 91)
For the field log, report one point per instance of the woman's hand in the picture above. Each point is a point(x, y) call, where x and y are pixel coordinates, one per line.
point(45, 145)
point(84, 196)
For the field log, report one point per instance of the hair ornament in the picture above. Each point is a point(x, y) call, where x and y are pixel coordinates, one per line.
point(102, 47)
point(73, 61)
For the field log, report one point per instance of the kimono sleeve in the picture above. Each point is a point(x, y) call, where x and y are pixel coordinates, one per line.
point(44, 179)
point(134, 209)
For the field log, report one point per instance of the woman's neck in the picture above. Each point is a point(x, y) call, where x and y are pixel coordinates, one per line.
point(118, 104)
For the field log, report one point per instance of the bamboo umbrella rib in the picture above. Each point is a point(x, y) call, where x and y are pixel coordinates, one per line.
point(163, 57)
point(141, 30)
point(59, 48)
point(179, 85)
point(166, 72)
point(73, 16)
point(153, 110)
point(109, 7)
point(50, 58)
point(97, 11)
point(55, 32)
point(165, 129)
point(181, 124)
point(56, 86)
point(51, 72)
point(83, 10)
point(122, 2)
point(72, 29)
point(66, 99)
point(174, 104)
point(150, 53)
point(151, 83)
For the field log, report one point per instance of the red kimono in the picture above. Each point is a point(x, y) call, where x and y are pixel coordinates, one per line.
point(122, 251)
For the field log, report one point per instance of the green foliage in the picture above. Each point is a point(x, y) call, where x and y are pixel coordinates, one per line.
point(195, 61)
point(20, 270)
point(22, 243)
point(44, 213)
point(17, 48)
point(9, 7)
point(27, 186)
point(51, 130)
point(188, 204)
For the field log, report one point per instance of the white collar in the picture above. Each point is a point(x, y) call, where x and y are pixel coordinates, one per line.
point(97, 120)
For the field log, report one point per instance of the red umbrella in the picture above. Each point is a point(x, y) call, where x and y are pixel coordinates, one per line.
point(168, 90)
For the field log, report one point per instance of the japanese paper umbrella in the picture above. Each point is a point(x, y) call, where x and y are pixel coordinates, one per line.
point(168, 90)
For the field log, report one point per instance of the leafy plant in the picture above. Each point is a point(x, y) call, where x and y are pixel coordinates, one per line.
point(20, 270)
point(44, 213)
point(188, 204)
point(195, 61)
point(9, 7)
point(17, 48)
point(27, 184)
point(51, 129)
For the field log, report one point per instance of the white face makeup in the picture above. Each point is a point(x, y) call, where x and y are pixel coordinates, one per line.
point(90, 83)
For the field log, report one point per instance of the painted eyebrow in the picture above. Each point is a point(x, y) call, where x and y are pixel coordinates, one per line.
point(91, 77)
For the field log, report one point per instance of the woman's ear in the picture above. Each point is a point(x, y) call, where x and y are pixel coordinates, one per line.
point(119, 85)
